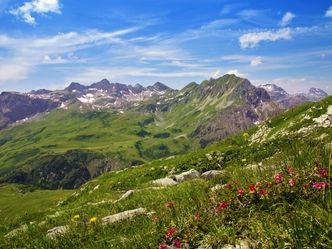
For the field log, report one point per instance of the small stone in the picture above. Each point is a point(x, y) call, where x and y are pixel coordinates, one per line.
point(165, 182)
point(123, 215)
point(56, 231)
point(242, 245)
point(212, 174)
point(188, 175)
point(125, 195)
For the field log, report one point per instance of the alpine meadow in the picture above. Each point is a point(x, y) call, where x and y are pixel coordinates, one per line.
point(165, 124)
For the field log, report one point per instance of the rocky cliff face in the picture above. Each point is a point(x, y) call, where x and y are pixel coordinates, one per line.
point(244, 105)
point(16, 106)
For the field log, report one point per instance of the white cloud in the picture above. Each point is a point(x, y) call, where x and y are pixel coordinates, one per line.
point(328, 12)
point(237, 73)
point(256, 61)
point(36, 6)
point(216, 74)
point(251, 40)
point(286, 19)
point(49, 60)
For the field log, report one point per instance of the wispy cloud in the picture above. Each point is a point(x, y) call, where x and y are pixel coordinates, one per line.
point(251, 40)
point(26, 11)
point(256, 61)
point(28, 52)
point(328, 12)
point(286, 19)
point(220, 23)
point(115, 73)
point(250, 13)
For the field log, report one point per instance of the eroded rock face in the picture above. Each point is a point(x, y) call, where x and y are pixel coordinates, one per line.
point(129, 214)
point(16, 106)
point(57, 231)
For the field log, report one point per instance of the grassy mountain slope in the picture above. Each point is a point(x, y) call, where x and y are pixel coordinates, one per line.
point(274, 193)
point(66, 147)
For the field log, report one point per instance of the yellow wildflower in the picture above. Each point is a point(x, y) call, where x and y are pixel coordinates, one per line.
point(93, 219)
point(245, 136)
point(76, 217)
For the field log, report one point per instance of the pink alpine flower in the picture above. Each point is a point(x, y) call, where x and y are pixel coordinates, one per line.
point(278, 178)
point(320, 185)
point(323, 172)
point(252, 188)
point(177, 243)
point(163, 246)
point(222, 205)
point(240, 192)
point(170, 232)
point(291, 182)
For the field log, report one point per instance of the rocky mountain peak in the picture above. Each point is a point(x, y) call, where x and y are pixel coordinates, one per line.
point(102, 85)
point(158, 86)
point(287, 100)
point(317, 93)
point(275, 91)
point(74, 86)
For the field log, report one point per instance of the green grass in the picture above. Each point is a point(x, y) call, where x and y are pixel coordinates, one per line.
point(19, 201)
point(288, 216)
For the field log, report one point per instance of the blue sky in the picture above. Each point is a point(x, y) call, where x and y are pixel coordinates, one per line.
point(50, 43)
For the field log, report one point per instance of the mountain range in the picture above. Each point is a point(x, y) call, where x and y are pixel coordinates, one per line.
point(63, 138)
point(286, 100)
point(16, 107)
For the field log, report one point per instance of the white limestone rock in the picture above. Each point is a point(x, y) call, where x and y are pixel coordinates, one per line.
point(188, 175)
point(129, 214)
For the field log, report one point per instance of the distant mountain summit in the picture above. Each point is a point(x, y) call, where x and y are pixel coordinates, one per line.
point(315, 94)
point(286, 100)
point(276, 93)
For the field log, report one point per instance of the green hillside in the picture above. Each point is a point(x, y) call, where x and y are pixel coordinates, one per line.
point(273, 192)
point(67, 147)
